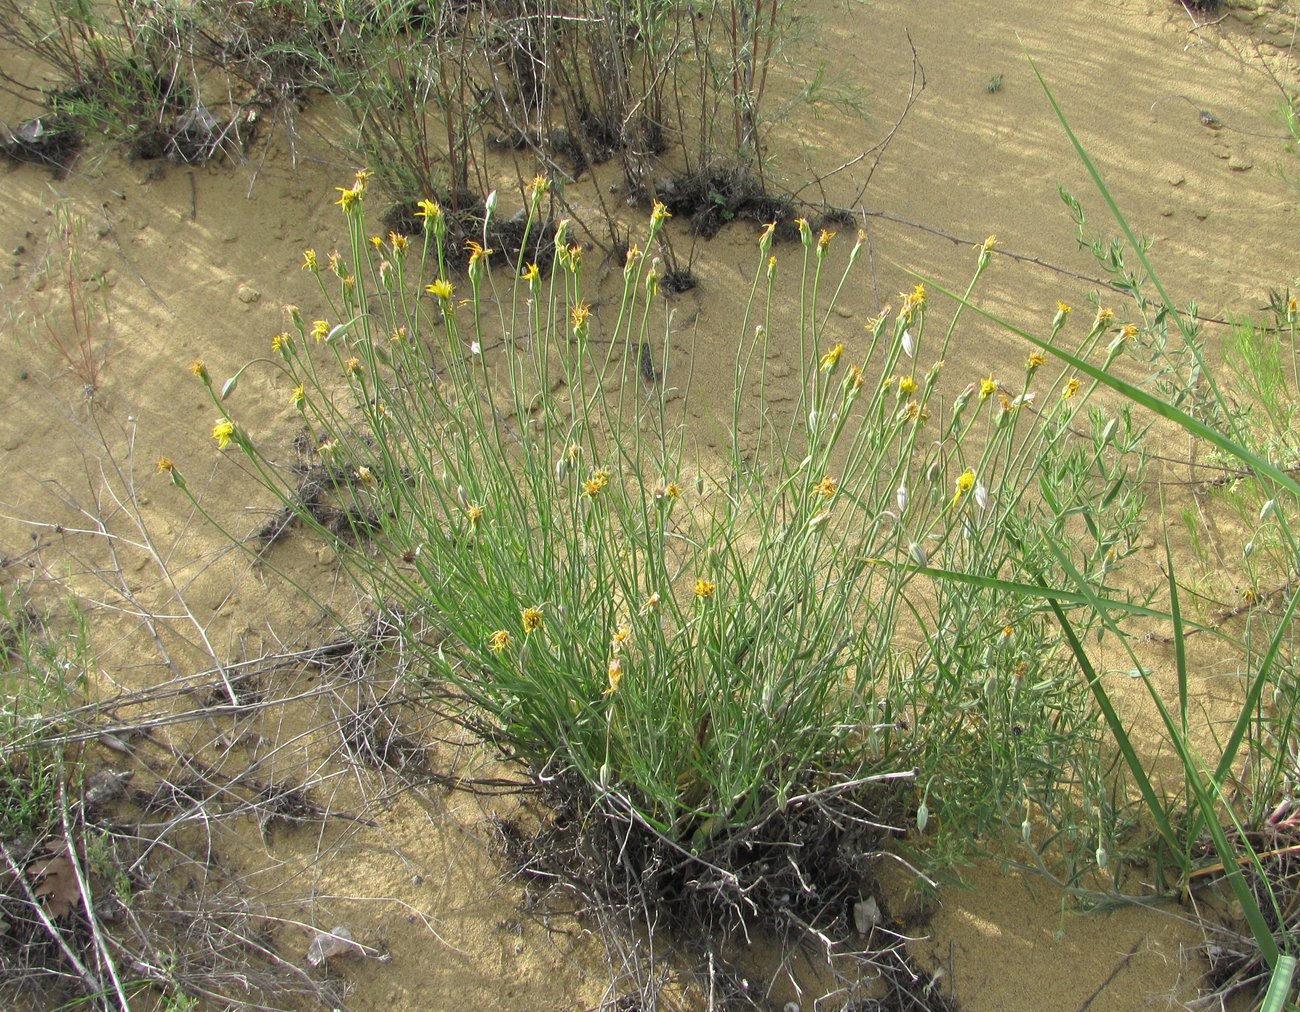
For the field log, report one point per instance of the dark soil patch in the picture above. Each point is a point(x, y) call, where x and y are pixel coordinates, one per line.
point(49, 140)
point(792, 875)
point(711, 199)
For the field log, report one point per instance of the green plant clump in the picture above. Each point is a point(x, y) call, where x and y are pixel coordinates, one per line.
point(702, 646)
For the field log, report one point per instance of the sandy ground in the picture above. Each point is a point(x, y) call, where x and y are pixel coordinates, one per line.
point(200, 262)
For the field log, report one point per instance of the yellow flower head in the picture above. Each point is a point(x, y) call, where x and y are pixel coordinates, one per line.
point(672, 490)
point(805, 230)
point(298, 396)
point(361, 177)
point(915, 413)
point(596, 484)
point(367, 477)
point(659, 213)
point(651, 603)
point(498, 641)
point(532, 273)
point(165, 465)
point(349, 197)
point(988, 387)
point(965, 482)
point(1064, 309)
point(906, 386)
point(540, 186)
point(825, 238)
point(281, 341)
point(988, 245)
point(440, 289)
point(531, 620)
point(377, 241)
point(200, 370)
point(855, 378)
point(352, 366)
point(826, 488)
point(705, 589)
point(1128, 331)
point(398, 241)
point(1071, 388)
point(477, 255)
point(615, 675)
point(579, 315)
point(309, 262)
point(765, 236)
point(621, 635)
point(1104, 316)
point(474, 514)
point(831, 358)
point(320, 329)
point(429, 211)
point(1035, 360)
point(223, 432)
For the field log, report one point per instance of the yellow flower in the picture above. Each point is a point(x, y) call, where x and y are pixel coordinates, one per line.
point(334, 260)
point(440, 289)
point(1035, 360)
point(615, 675)
point(1128, 331)
point(320, 329)
point(352, 366)
point(672, 490)
point(579, 315)
point(914, 412)
point(540, 186)
point(398, 335)
point(398, 241)
point(165, 465)
point(765, 237)
point(596, 484)
point(965, 482)
point(825, 238)
point(366, 477)
point(531, 620)
point(298, 395)
point(200, 370)
point(988, 387)
point(1064, 309)
point(805, 231)
point(826, 488)
point(1104, 316)
point(651, 603)
point(349, 197)
point(988, 245)
point(281, 341)
point(573, 256)
point(1071, 388)
point(477, 255)
point(377, 242)
point(222, 432)
point(428, 210)
point(362, 177)
point(498, 641)
point(659, 213)
point(906, 386)
point(474, 514)
point(855, 377)
point(532, 273)
point(309, 260)
point(705, 589)
point(621, 635)
point(831, 358)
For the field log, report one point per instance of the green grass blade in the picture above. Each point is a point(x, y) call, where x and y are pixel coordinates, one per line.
point(1132, 238)
point(1154, 805)
point(1205, 795)
point(1253, 693)
point(1279, 986)
point(1137, 395)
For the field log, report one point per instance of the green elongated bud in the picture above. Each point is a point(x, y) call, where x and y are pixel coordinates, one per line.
point(922, 817)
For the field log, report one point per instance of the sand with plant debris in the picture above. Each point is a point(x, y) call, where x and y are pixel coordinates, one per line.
point(199, 262)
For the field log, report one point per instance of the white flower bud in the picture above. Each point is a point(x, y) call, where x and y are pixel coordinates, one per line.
point(981, 496)
point(909, 344)
point(900, 497)
point(1267, 509)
